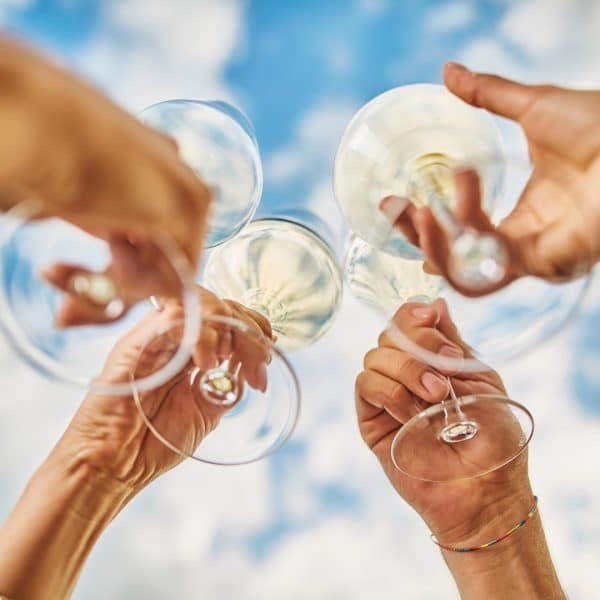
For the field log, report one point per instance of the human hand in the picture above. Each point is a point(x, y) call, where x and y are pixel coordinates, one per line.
point(553, 230)
point(394, 387)
point(108, 432)
point(108, 173)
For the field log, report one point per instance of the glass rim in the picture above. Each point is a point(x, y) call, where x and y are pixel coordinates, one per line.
point(28, 209)
point(464, 401)
point(295, 404)
point(473, 364)
point(244, 124)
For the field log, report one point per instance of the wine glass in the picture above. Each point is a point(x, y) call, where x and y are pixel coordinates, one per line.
point(411, 144)
point(218, 142)
point(283, 268)
point(36, 269)
point(236, 423)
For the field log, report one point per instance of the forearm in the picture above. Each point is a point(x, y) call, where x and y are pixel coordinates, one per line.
point(36, 158)
point(54, 526)
point(518, 567)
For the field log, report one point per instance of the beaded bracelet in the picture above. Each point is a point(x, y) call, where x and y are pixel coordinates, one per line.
point(495, 541)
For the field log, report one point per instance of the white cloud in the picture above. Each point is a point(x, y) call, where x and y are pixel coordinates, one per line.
point(450, 18)
point(147, 50)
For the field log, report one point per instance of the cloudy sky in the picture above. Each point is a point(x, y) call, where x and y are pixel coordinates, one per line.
point(318, 520)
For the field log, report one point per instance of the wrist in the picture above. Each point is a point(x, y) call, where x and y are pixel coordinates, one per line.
point(518, 566)
point(90, 494)
point(52, 529)
point(493, 515)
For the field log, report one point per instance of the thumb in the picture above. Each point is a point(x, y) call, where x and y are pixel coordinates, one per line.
point(498, 95)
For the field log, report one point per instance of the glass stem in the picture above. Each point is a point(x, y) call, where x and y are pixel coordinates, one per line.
point(457, 427)
point(438, 203)
point(220, 385)
point(476, 260)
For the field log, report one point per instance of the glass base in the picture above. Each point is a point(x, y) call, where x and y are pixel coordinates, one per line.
point(215, 416)
point(472, 437)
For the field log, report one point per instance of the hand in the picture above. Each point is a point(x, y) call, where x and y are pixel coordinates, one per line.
point(107, 172)
point(111, 435)
point(107, 455)
point(553, 230)
point(394, 387)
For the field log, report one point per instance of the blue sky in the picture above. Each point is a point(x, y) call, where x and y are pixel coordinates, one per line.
point(300, 69)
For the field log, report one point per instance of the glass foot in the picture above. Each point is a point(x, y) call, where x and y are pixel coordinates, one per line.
point(492, 434)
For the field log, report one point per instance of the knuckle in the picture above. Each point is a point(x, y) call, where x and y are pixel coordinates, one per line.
point(410, 368)
point(369, 358)
point(396, 392)
point(430, 339)
point(402, 313)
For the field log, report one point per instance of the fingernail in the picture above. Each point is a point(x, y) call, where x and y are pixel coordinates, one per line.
point(423, 312)
point(451, 351)
point(393, 206)
point(435, 385)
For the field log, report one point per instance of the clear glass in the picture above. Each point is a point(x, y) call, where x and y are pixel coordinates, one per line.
point(394, 145)
point(384, 281)
point(30, 305)
point(419, 146)
point(284, 270)
point(218, 142)
point(462, 438)
point(213, 415)
point(498, 327)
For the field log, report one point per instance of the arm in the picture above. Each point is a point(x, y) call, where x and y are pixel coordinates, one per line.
point(465, 513)
point(518, 567)
point(85, 159)
point(48, 536)
point(107, 455)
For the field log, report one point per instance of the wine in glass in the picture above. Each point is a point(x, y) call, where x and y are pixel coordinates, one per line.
point(284, 269)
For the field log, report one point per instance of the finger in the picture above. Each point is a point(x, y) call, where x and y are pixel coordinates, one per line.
point(225, 344)
point(420, 324)
point(259, 319)
point(431, 269)
point(399, 212)
point(251, 344)
point(205, 354)
point(468, 210)
point(448, 328)
point(142, 268)
point(383, 392)
point(435, 245)
point(96, 287)
point(413, 374)
point(92, 297)
point(433, 240)
point(74, 311)
point(496, 94)
point(253, 353)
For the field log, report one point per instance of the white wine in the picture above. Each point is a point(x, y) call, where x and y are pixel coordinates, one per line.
point(284, 271)
point(385, 281)
point(390, 140)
